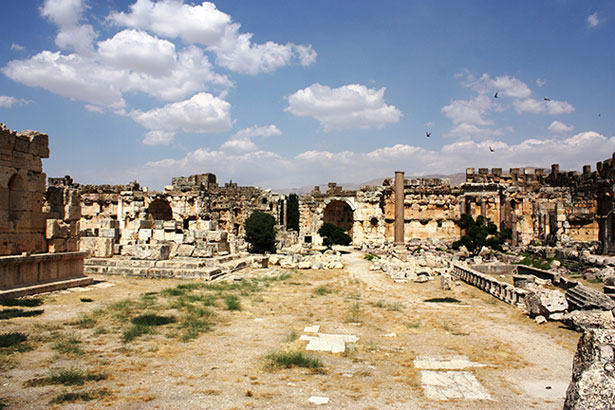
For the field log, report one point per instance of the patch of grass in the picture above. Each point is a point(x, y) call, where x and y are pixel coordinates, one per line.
point(292, 359)
point(232, 302)
point(292, 336)
point(151, 319)
point(67, 377)
point(69, 397)
point(68, 346)
point(355, 315)
point(355, 295)
point(322, 290)
point(396, 307)
point(11, 313)
point(193, 326)
point(84, 322)
point(442, 300)
point(23, 302)
point(370, 257)
point(86, 300)
point(12, 339)
point(134, 331)
point(413, 325)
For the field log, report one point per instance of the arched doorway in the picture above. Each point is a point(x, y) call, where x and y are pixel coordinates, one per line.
point(339, 213)
point(160, 210)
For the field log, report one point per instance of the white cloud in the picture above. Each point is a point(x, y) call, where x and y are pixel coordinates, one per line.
point(430, 124)
point(314, 167)
point(255, 131)
point(205, 24)
point(203, 113)
point(560, 127)
point(469, 111)
point(465, 130)
point(158, 137)
point(18, 47)
point(238, 146)
point(552, 107)
point(540, 82)
point(348, 106)
point(94, 108)
point(592, 20)
point(67, 14)
point(140, 52)
point(8, 102)
point(505, 86)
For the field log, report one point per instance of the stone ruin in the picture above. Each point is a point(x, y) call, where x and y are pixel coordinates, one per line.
point(39, 228)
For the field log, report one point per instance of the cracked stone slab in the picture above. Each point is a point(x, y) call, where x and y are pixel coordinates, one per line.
point(444, 363)
point(323, 342)
point(449, 385)
point(312, 329)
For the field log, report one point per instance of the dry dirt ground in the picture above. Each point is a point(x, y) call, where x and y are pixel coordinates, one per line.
point(525, 365)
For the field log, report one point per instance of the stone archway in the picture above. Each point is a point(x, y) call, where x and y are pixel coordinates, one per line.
point(17, 201)
point(160, 210)
point(339, 213)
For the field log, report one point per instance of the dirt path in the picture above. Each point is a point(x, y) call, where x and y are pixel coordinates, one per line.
point(519, 364)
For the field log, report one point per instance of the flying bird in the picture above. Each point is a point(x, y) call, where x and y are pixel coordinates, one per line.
point(496, 95)
point(491, 149)
point(428, 134)
point(547, 99)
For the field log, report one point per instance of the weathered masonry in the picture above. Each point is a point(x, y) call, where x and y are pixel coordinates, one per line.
point(39, 228)
point(563, 208)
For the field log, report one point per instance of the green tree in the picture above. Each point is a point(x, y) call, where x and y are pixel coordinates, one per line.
point(292, 209)
point(260, 232)
point(334, 235)
point(480, 232)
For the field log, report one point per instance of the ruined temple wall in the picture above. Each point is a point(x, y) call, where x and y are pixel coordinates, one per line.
point(22, 189)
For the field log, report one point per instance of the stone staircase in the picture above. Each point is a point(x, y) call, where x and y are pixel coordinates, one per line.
point(180, 268)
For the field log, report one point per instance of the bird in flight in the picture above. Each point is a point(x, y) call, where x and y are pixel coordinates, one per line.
point(496, 95)
point(428, 134)
point(547, 99)
point(491, 149)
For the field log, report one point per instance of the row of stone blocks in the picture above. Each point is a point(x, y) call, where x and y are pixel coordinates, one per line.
point(503, 291)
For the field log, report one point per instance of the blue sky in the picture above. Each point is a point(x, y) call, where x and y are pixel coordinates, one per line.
point(285, 94)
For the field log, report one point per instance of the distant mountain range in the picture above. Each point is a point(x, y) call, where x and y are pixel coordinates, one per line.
point(455, 179)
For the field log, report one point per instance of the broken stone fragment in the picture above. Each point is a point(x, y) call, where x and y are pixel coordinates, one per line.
point(593, 372)
point(581, 320)
point(545, 302)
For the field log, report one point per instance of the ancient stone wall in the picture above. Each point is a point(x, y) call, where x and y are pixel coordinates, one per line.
point(22, 187)
point(193, 217)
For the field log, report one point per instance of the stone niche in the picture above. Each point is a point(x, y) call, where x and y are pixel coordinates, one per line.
point(39, 228)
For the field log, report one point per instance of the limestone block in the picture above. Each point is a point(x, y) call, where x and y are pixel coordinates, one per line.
point(179, 237)
point(56, 245)
point(581, 320)
point(108, 233)
point(147, 251)
point(72, 245)
point(98, 247)
point(185, 251)
point(169, 225)
point(158, 224)
point(446, 281)
point(56, 229)
point(305, 264)
point(144, 224)
point(72, 213)
point(145, 234)
point(274, 260)
point(158, 234)
point(199, 233)
point(217, 236)
point(203, 251)
point(109, 224)
point(593, 372)
point(169, 235)
point(545, 302)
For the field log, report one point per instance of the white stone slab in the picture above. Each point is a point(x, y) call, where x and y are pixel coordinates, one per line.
point(319, 400)
point(312, 329)
point(444, 363)
point(323, 342)
point(449, 385)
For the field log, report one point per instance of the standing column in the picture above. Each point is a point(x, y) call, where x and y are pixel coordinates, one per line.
point(285, 213)
point(399, 208)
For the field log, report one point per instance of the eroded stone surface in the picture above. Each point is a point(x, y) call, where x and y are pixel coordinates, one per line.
point(449, 385)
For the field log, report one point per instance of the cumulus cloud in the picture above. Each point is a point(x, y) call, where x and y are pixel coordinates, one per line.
point(541, 82)
point(241, 141)
point(18, 47)
point(560, 127)
point(552, 107)
point(203, 113)
point(469, 111)
point(505, 86)
point(429, 124)
point(592, 20)
point(67, 15)
point(159, 137)
point(8, 102)
point(205, 24)
point(348, 106)
point(314, 167)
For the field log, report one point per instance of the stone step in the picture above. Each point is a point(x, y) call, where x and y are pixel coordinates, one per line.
point(582, 297)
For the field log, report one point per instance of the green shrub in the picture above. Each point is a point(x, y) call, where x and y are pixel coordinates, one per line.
point(260, 232)
point(480, 232)
point(151, 319)
point(292, 359)
point(12, 339)
point(232, 302)
point(334, 235)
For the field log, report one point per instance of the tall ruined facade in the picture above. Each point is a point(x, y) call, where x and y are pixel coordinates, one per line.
point(559, 208)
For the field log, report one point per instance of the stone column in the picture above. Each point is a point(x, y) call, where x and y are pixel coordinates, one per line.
point(284, 213)
point(399, 208)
